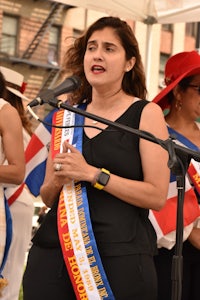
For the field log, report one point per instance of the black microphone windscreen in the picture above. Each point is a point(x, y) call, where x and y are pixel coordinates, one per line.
point(68, 85)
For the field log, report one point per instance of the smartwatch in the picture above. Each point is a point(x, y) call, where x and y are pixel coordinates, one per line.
point(102, 179)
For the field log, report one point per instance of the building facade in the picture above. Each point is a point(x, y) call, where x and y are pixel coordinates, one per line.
point(34, 34)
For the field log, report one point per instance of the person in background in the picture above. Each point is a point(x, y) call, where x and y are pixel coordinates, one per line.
point(96, 241)
point(19, 198)
point(180, 100)
point(12, 170)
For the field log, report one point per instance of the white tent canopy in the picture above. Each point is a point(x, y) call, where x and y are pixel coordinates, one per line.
point(147, 11)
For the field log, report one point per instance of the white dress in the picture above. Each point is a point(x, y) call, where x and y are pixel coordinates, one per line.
point(22, 211)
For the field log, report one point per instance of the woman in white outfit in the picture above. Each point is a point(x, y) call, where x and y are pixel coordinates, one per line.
point(11, 150)
point(19, 198)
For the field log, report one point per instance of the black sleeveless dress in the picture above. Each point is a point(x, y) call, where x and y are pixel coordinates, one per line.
point(125, 237)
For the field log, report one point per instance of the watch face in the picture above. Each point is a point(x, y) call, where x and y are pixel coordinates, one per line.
point(103, 178)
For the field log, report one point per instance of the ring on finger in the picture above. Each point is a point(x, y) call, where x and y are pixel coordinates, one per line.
point(58, 167)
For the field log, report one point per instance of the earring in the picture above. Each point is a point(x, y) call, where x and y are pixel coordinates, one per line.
point(178, 105)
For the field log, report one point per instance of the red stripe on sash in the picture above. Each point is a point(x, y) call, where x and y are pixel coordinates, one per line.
point(68, 252)
point(57, 132)
point(194, 176)
point(16, 194)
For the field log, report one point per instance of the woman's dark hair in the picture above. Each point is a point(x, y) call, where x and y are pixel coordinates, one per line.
point(133, 82)
point(2, 86)
point(16, 101)
point(183, 85)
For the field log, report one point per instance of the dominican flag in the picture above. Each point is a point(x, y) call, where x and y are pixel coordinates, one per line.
point(164, 221)
point(36, 155)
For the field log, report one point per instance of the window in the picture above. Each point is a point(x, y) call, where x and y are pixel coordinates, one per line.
point(191, 29)
point(167, 27)
point(54, 40)
point(198, 38)
point(8, 43)
point(163, 59)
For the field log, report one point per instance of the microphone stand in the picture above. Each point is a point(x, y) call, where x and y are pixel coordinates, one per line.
point(179, 159)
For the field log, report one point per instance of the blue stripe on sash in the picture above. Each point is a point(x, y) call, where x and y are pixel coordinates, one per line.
point(8, 234)
point(182, 139)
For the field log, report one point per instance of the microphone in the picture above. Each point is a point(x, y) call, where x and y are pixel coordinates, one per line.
point(68, 85)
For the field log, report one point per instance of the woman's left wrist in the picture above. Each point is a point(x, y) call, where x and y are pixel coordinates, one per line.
point(101, 179)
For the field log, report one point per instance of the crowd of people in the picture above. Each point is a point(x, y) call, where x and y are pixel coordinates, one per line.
point(108, 191)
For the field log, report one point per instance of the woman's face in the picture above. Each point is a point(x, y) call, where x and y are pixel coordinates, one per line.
point(105, 60)
point(191, 98)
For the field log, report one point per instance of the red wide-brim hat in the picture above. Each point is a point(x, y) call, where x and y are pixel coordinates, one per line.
point(178, 66)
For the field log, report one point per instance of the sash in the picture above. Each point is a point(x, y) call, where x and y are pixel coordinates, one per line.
point(7, 198)
point(164, 221)
point(194, 167)
point(5, 237)
point(193, 172)
point(76, 236)
point(12, 193)
point(8, 233)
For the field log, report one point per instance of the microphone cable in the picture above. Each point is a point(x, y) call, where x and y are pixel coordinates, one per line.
point(58, 126)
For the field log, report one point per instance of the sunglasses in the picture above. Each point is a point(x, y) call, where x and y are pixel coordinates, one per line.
point(196, 87)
